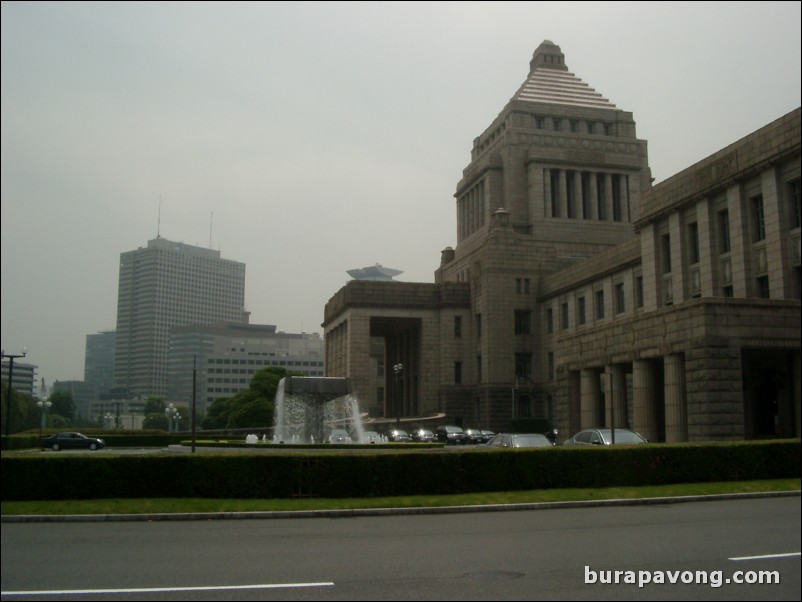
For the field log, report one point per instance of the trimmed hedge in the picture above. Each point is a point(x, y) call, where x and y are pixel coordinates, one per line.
point(350, 474)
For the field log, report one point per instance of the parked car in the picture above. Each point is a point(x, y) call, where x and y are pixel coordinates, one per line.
point(371, 437)
point(451, 435)
point(72, 441)
point(487, 435)
point(474, 436)
point(398, 436)
point(519, 440)
point(605, 437)
point(423, 435)
point(339, 436)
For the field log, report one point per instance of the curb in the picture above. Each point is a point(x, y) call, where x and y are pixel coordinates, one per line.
point(354, 512)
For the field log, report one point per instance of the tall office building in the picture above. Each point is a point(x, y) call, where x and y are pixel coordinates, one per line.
point(163, 285)
point(99, 360)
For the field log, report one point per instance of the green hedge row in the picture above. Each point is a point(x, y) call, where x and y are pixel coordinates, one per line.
point(349, 474)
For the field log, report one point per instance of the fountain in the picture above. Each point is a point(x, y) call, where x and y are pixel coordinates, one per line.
point(308, 407)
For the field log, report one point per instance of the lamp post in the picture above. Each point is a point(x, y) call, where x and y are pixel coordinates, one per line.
point(11, 357)
point(397, 369)
point(44, 406)
point(107, 420)
point(173, 417)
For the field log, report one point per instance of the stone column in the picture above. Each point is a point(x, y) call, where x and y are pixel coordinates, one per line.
point(589, 399)
point(593, 196)
point(674, 390)
point(549, 206)
point(644, 414)
point(563, 193)
point(616, 399)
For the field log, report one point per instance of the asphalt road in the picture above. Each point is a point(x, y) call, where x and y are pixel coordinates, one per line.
point(555, 554)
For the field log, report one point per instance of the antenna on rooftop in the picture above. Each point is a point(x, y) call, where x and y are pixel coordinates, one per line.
point(159, 219)
point(211, 222)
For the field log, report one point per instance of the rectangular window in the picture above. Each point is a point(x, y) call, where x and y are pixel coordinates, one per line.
point(724, 231)
point(727, 291)
point(457, 327)
point(526, 286)
point(380, 367)
point(523, 366)
point(693, 242)
point(620, 305)
point(580, 310)
point(573, 124)
point(617, 198)
point(665, 247)
point(550, 368)
point(590, 127)
point(639, 291)
point(478, 325)
point(549, 321)
point(759, 230)
point(599, 305)
point(763, 287)
point(555, 123)
point(794, 194)
point(564, 316)
point(479, 368)
point(457, 373)
point(555, 192)
point(601, 196)
point(523, 321)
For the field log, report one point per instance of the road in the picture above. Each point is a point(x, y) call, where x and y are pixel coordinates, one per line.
point(520, 555)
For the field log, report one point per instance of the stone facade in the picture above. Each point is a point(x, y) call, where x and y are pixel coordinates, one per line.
point(579, 293)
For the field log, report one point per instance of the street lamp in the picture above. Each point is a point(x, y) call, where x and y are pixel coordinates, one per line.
point(397, 369)
point(44, 406)
point(173, 416)
point(11, 357)
point(107, 420)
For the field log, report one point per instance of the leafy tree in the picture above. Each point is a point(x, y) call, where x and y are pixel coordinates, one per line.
point(154, 405)
point(251, 407)
point(63, 405)
point(155, 420)
point(24, 411)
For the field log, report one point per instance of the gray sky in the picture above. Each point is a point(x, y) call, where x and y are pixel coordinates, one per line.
point(307, 139)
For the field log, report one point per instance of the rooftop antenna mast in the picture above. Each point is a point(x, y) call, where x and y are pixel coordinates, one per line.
point(159, 219)
point(211, 221)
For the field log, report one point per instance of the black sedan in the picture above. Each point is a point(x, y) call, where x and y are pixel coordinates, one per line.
point(72, 441)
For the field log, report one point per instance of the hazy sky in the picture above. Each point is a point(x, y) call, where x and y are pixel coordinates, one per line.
point(306, 139)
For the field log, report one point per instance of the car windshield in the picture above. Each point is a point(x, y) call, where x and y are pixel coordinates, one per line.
point(621, 436)
point(453, 429)
point(531, 441)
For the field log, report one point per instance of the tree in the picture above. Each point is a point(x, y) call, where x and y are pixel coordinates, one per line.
point(24, 411)
point(154, 405)
point(251, 407)
point(63, 405)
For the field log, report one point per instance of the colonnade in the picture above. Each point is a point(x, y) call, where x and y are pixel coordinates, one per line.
point(655, 405)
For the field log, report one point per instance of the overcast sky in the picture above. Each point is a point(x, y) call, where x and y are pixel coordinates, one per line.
point(307, 139)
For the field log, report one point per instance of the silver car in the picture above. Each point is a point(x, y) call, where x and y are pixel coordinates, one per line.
point(519, 440)
point(605, 437)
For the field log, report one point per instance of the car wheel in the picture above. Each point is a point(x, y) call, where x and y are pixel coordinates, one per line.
point(93, 446)
point(56, 447)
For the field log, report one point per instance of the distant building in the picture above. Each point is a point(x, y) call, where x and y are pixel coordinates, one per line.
point(374, 272)
point(24, 376)
point(99, 360)
point(83, 394)
point(163, 285)
point(224, 357)
point(580, 293)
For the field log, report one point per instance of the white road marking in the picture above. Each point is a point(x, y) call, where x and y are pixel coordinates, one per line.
point(55, 592)
point(789, 555)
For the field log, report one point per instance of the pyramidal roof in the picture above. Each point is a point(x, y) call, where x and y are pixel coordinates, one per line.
point(550, 82)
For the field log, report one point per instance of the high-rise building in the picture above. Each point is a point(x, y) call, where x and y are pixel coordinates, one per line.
point(580, 294)
point(163, 285)
point(99, 360)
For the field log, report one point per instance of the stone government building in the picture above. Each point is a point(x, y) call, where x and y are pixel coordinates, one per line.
point(580, 293)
